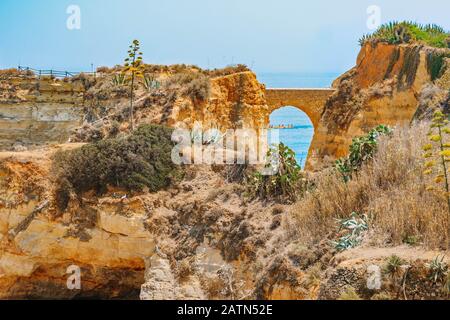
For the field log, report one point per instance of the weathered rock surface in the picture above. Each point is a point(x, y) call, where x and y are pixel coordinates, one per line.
point(34, 111)
point(36, 248)
point(383, 88)
point(363, 270)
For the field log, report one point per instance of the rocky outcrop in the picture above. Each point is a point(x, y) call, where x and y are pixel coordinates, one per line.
point(41, 111)
point(383, 88)
point(38, 111)
point(37, 247)
point(365, 273)
point(161, 283)
point(391, 84)
point(199, 239)
point(236, 101)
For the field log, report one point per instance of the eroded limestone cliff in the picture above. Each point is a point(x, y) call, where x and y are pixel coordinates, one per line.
point(37, 246)
point(385, 87)
point(200, 238)
point(38, 111)
point(391, 84)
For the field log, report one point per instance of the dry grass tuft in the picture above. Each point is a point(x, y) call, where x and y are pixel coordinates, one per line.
point(390, 189)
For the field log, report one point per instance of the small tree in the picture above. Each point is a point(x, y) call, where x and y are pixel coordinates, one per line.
point(135, 68)
point(437, 154)
point(286, 184)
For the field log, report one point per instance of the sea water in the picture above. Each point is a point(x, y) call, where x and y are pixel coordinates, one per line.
point(299, 137)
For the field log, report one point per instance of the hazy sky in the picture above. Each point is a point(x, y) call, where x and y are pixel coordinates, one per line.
point(282, 35)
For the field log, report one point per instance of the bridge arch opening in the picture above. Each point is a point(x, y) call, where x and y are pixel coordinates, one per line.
point(296, 130)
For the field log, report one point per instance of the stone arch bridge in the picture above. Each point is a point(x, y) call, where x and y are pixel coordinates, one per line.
point(310, 101)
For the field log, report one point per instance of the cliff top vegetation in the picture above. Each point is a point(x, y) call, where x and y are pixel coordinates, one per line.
point(409, 32)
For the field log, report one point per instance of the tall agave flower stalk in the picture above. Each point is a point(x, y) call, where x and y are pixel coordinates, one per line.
point(134, 67)
point(437, 153)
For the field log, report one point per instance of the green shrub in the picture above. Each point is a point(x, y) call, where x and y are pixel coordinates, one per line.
point(140, 160)
point(285, 185)
point(362, 149)
point(407, 32)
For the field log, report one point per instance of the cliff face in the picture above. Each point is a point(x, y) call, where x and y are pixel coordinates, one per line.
point(37, 246)
point(384, 88)
point(236, 101)
point(198, 239)
point(41, 111)
point(391, 84)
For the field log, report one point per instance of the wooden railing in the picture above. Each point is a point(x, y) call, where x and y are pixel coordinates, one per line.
point(53, 73)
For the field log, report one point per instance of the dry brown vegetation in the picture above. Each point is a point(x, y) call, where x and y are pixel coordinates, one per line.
point(194, 85)
point(391, 189)
point(11, 73)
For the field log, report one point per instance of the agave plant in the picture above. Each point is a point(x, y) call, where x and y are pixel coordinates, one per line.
point(438, 269)
point(407, 31)
point(353, 229)
point(393, 266)
point(119, 79)
point(437, 159)
point(150, 82)
point(134, 67)
point(434, 28)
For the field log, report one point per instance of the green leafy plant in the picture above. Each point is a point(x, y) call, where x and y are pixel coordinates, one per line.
point(287, 181)
point(437, 156)
point(361, 150)
point(407, 32)
point(135, 68)
point(352, 230)
point(438, 269)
